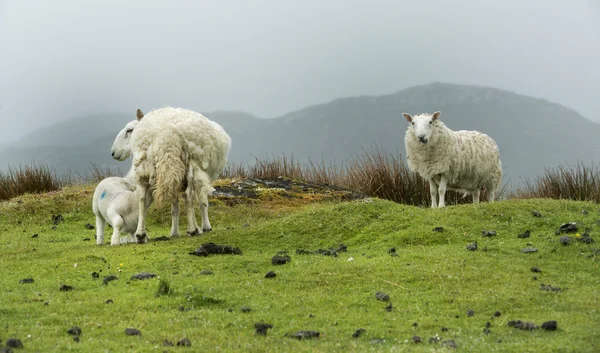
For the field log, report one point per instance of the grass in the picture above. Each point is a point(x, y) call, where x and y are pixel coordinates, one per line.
point(432, 282)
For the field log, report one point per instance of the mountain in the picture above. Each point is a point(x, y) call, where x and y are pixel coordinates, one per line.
point(532, 133)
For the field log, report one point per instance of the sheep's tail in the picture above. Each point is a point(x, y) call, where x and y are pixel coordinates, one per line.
point(170, 168)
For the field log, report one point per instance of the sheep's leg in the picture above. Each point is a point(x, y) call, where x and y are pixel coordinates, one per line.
point(140, 232)
point(204, 209)
point(476, 194)
point(191, 214)
point(175, 218)
point(100, 224)
point(442, 191)
point(130, 238)
point(433, 190)
point(491, 196)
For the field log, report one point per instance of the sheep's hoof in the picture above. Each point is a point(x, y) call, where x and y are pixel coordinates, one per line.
point(141, 238)
point(207, 229)
point(194, 232)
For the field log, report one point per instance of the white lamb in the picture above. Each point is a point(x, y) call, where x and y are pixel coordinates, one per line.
point(456, 160)
point(176, 149)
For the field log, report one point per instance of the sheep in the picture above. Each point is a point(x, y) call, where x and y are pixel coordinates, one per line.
point(115, 202)
point(456, 160)
point(176, 149)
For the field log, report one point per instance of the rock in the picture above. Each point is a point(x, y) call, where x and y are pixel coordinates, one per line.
point(56, 219)
point(65, 288)
point(14, 343)
point(261, 328)
point(536, 270)
point(206, 272)
point(585, 238)
point(212, 248)
point(184, 342)
point(130, 331)
point(434, 339)
point(549, 288)
point(89, 226)
point(523, 325)
point(497, 314)
point(389, 308)
point(524, 235)
point(550, 325)
point(536, 214)
point(472, 247)
point(488, 233)
point(270, 274)
point(26, 280)
point(392, 251)
point(381, 296)
point(470, 313)
point(565, 240)
point(245, 309)
point(449, 344)
point(438, 229)
point(167, 343)
point(109, 301)
point(416, 339)
point(570, 227)
point(305, 335)
point(34, 236)
point(143, 275)
point(109, 278)
point(95, 275)
point(528, 250)
point(358, 332)
point(281, 258)
point(75, 331)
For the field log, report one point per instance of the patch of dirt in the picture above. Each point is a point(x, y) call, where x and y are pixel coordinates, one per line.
point(130, 331)
point(304, 335)
point(109, 278)
point(212, 248)
point(143, 275)
point(270, 274)
point(549, 288)
point(523, 325)
point(281, 258)
point(26, 280)
point(75, 331)
point(570, 227)
point(261, 328)
point(524, 235)
point(488, 233)
point(247, 191)
point(550, 325)
point(381, 296)
point(65, 288)
point(326, 252)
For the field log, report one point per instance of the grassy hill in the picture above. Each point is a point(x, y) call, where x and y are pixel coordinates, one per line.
point(215, 301)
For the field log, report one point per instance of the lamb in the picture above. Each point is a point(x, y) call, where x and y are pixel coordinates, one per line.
point(175, 149)
point(456, 160)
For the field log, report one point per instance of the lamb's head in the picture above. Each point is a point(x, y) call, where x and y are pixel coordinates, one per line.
point(422, 125)
point(121, 148)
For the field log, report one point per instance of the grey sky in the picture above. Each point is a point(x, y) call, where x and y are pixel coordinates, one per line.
point(61, 59)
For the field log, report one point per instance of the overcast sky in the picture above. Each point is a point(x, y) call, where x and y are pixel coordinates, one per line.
point(61, 59)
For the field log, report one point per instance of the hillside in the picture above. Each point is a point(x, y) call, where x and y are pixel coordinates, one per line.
point(531, 133)
point(434, 292)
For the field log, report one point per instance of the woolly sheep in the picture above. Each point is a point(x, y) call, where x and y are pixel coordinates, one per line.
point(176, 149)
point(456, 160)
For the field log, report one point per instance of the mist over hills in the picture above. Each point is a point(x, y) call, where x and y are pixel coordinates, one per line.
point(531, 133)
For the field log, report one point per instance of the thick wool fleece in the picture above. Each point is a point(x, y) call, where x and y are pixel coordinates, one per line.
point(470, 160)
point(173, 146)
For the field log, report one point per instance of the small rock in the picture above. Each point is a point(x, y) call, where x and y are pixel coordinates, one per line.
point(566, 240)
point(89, 226)
point(65, 288)
point(534, 278)
point(570, 227)
point(245, 309)
point(14, 343)
point(392, 251)
point(184, 342)
point(168, 343)
point(536, 270)
point(528, 250)
point(75, 331)
point(95, 275)
point(358, 332)
point(550, 325)
point(472, 247)
point(109, 278)
point(585, 238)
point(449, 344)
point(130, 331)
point(26, 280)
point(206, 272)
point(497, 314)
point(416, 339)
point(415, 324)
point(270, 274)
point(488, 324)
point(536, 214)
point(488, 233)
point(470, 313)
point(438, 229)
point(280, 259)
point(305, 334)
point(527, 234)
point(381, 296)
point(487, 331)
point(549, 288)
point(389, 308)
point(434, 339)
point(86, 239)
point(76, 339)
point(143, 275)
point(56, 219)
point(444, 329)
point(109, 301)
point(522, 325)
point(261, 328)
point(34, 236)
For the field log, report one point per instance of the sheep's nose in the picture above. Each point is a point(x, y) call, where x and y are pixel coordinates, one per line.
point(422, 138)
point(113, 154)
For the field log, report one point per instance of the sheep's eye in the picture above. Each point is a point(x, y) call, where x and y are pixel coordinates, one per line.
point(129, 131)
point(431, 122)
point(412, 123)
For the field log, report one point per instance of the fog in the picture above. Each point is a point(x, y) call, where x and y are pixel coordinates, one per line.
point(63, 59)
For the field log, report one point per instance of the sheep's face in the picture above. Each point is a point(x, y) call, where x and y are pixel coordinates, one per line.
point(422, 125)
point(121, 148)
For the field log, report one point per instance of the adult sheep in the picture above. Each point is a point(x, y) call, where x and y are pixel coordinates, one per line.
point(455, 160)
point(175, 149)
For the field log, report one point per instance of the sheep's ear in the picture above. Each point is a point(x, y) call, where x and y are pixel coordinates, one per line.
point(436, 115)
point(139, 114)
point(407, 116)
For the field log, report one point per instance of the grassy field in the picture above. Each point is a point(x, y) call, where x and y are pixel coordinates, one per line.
point(432, 282)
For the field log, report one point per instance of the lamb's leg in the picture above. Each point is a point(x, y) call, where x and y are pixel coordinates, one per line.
point(175, 218)
point(442, 191)
point(191, 214)
point(140, 233)
point(433, 190)
point(476, 194)
point(100, 224)
point(117, 223)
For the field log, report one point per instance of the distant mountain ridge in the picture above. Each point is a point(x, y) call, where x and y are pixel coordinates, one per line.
point(532, 133)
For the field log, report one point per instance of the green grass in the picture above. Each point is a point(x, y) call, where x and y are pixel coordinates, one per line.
point(433, 279)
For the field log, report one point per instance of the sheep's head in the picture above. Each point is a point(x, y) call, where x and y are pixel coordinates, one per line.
point(422, 125)
point(121, 148)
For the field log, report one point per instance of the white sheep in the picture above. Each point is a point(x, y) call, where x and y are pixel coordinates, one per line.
point(175, 149)
point(115, 202)
point(456, 160)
